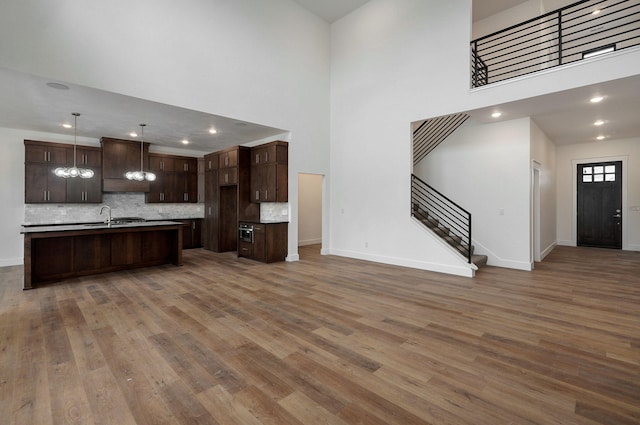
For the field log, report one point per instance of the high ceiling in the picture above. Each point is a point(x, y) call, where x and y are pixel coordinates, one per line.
point(29, 103)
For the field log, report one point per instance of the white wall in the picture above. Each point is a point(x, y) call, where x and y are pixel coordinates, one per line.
point(264, 62)
point(485, 168)
point(310, 209)
point(12, 195)
point(543, 155)
point(626, 150)
point(398, 61)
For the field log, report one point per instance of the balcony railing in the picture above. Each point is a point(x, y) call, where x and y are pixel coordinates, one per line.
point(575, 32)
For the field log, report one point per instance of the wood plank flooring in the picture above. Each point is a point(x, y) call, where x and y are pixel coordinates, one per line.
point(326, 340)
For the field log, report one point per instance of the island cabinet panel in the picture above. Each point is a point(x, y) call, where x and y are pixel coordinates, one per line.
point(53, 255)
point(91, 253)
point(43, 186)
point(126, 248)
point(51, 258)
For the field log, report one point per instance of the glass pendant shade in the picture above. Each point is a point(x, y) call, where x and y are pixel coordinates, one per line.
point(141, 175)
point(72, 172)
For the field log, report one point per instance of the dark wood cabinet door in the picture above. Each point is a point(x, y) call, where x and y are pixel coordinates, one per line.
point(228, 158)
point(87, 157)
point(46, 153)
point(259, 243)
point(35, 183)
point(85, 190)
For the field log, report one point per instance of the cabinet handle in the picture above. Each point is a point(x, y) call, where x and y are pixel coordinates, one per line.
point(209, 165)
point(185, 167)
point(245, 249)
point(257, 194)
point(193, 225)
point(266, 195)
point(257, 158)
point(226, 161)
point(44, 195)
point(209, 210)
point(185, 197)
point(226, 177)
point(266, 156)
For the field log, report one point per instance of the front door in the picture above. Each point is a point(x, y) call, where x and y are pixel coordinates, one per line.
point(600, 204)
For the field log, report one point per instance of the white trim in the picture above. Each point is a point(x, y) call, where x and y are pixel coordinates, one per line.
point(6, 262)
point(415, 264)
point(292, 258)
point(547, 251)
point(310, 242)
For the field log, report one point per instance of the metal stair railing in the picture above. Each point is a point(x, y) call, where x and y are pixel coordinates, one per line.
point(569, 34)
point(427, 202)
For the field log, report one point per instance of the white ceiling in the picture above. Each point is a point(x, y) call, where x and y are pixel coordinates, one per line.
point(28, 103)
point(567, 117)
point(331, 10)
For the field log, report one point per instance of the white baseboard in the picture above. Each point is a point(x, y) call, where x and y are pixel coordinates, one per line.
point(309, 242)
point(5, 262)
point(292, 258)
point(546, 251)
point(463, 270)
point(563, 242)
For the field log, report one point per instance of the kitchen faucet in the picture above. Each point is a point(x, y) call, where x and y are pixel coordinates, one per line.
point(109, 216)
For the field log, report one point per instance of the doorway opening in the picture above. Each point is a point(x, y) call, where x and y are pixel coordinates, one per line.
point(309, 213)
point(599, 204)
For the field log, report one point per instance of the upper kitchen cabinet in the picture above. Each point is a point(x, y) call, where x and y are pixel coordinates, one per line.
point(43, 186)
point(269, 172)
point(177, 179)
point(118, 157)
point(85, 190)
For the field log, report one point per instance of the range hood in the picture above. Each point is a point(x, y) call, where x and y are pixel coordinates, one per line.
point(118, 157)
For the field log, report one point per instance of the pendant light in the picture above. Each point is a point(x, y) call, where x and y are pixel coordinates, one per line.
point(141, 175)
point(66, 172)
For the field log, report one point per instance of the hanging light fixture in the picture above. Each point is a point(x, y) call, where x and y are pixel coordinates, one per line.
point(141, 175)
point(66, 172)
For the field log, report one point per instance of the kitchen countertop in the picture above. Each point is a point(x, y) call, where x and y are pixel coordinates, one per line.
point(264, 221)
point(93, 226)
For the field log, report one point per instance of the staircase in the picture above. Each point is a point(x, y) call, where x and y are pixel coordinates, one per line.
point(445, 218)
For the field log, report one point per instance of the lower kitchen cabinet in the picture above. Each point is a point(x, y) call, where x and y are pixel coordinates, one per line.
point(269, 245)
point(192, 233)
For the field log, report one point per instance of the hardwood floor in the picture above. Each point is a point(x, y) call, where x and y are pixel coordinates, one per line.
point(326, 340)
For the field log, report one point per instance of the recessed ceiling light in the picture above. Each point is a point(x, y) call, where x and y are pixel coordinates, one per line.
point(133, 134)
point(496, 114)
point(596, 99)
point(57, 86)
point(185, 142)
point(599, 122)
point(241, 124)
point(213, 130)
point(596, 11)
point(600, 137)
point(65, 125)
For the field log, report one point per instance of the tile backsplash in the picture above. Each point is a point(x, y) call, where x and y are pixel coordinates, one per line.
point(274, 211)
point(122, 205)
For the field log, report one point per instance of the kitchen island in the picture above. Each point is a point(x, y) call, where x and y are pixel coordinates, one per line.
point(62, 251)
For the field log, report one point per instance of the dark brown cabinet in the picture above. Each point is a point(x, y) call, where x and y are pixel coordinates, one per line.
point(176, 179)
point(269, 245)
point(210, 227)
point(269, 172)
point(43, 186)
point(191, 233)
point(118, 157)
point(227, 199)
